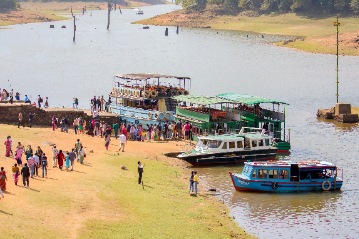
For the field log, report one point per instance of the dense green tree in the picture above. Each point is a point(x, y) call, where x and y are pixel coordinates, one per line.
point(342, 5)
point(231, 6)
point(285, 5)
point(270, 5)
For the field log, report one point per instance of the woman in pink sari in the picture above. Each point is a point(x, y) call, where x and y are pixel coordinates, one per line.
point(53, 122)
point(16, 173)
point(7, 144)
point(18, 153)
point(3, 179)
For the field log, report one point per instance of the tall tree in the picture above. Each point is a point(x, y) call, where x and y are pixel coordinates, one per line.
point(8, 4)
point(270, 5)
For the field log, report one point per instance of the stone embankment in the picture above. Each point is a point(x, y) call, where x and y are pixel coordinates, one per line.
point(9, 114)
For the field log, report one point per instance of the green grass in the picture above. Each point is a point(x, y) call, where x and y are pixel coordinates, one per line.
point(163, 209)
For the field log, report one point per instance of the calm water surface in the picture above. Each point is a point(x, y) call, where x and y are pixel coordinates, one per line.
point(35, 59)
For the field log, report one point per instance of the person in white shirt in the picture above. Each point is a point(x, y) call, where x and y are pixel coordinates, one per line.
point(37, 161)
point(55, 151)
point(123, 141)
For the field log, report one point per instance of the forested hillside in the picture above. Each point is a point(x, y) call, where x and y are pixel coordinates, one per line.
point(349, 7)
point(8, 4)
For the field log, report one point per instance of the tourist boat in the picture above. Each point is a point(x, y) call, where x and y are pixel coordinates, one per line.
point(284, 176)
point(145, 98)
point(230, 112)
point(139, 11)
point(231, 148)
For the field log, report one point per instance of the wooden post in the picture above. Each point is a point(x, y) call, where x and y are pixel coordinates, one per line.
point(115, 6)
point(74, 38)
point(166, 32)
point(83, 11)
point(108, 17)
point(177, 31)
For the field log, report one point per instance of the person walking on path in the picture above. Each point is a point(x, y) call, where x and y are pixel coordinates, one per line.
point(37, 163)
point(60, 159)
point(72, 157)
point(55, 151)
point(191, 182)
point(195, 182)
point(20, 122)
point(82, 155)
point(8, 143)
point(67, 161)
point(25, 172)
point(18, 153)
point(31, 118)
point(75, 125)
point(140, 172)
point(123, 141)
point(78, 146)
point(3, 179)
point(107, 140)
point(53, 122)
point(15, 173)
point(44, 165)
point(115, 127)
point(28, 152)
point(31, 164)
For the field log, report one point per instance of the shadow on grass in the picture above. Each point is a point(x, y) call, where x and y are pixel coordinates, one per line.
point(9, 193)
point(6, 213)
point(87, 164)
point(35, 190)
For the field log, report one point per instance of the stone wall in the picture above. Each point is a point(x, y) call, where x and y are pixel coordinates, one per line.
point(9, 114)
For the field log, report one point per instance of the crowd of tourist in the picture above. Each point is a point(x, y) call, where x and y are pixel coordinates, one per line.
point(35, 160)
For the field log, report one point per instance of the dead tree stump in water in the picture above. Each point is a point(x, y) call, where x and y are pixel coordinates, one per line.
point(109, 5)
point(166, 32)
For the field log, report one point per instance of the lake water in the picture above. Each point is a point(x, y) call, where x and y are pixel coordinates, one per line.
point(35, 59)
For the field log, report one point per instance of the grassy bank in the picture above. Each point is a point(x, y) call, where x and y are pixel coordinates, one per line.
point(99, 200)
point(316, 35)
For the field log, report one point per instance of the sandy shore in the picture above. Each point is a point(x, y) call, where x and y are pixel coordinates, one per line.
point(98, 199)
point(311, 35)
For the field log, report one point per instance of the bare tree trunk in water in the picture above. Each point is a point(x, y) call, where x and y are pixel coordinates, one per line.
point(109, 12)
point(74, 28)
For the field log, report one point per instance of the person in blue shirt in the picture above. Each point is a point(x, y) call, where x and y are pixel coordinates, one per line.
point(27, 100)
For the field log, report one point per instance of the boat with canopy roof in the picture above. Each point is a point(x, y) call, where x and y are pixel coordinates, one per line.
point(228, 113)
point(146, 98)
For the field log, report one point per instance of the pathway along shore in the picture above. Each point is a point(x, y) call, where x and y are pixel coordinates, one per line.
point(99, 200)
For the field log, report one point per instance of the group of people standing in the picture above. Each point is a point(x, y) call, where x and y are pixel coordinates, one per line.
point(99, 104)
point(36, 159)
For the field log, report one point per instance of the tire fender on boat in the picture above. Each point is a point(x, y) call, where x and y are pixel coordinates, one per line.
point(328, 184)
point(154, 93)
point(274, 185)
point(161, 116)
point(168, 115)
point(149, 114)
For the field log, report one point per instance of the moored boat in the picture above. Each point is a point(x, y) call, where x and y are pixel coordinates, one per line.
point(231, 148)
point(285, 176)
point(145, 98)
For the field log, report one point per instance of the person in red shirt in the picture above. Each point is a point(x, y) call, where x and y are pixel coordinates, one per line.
point(60, 159)
point(187, 129)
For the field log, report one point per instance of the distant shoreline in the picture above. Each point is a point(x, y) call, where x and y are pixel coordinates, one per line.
point(31, 12)
point(310, 35)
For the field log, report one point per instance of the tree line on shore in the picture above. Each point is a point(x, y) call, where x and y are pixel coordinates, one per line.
point(8, 4)
point(347, 7)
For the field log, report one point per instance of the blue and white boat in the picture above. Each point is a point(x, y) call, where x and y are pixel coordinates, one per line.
point(146, 98)
point(284, 176)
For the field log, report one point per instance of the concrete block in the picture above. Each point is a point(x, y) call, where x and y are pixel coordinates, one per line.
point(343, 108)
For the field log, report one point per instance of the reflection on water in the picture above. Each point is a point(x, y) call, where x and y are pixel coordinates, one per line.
point(40, 60)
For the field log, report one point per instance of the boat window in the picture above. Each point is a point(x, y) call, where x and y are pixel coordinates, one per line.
point(266, 142)
point(214, 143)
point(254, 173)
point(254, 143)
point(247, 143)
point(225, 145)
point(239, 145)
point(262, 173)
point(260, 142)
point(273, 173)
point(284, 174)
point(232, 145)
